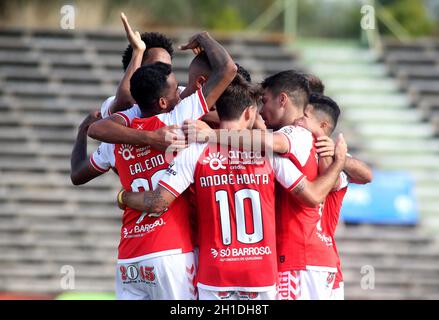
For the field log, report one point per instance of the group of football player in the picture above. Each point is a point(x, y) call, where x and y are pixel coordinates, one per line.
point(231, 190)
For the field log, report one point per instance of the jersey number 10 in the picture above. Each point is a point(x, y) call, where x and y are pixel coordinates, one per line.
point(221, 197)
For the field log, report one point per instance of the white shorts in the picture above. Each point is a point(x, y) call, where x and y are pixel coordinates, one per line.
point(236, 295)
point(305, 285)
point(162, 278)
point(338, 294)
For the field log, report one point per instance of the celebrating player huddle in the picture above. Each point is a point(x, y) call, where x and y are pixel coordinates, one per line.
point(249, 216)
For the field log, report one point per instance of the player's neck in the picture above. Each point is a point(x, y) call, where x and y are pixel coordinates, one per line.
point(151, 113)
point(231, 125)
point(291, 115)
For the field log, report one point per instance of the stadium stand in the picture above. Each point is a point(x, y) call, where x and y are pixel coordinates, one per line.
point(415, 66)
point(49, 80)
point(384, 128)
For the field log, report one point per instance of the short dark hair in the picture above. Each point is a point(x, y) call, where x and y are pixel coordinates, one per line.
point(152, 40)
point(236, 98)
point(293, 83)
point(148, 82)
point(243, 72)
point(315, 83)
point(326, 105)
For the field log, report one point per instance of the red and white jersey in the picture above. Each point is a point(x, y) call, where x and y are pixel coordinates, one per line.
point(234, 196)
point(302, 243)
point(331, 215)
point(140, 168)
point(133, 112)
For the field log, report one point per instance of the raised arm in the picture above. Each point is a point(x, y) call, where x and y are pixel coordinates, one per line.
point(358, 171)
point(312, 193)
point(223, 67)
point(114, 130)
point(123, 99)
point(81, 171)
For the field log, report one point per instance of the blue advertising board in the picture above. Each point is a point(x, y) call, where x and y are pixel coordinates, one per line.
point(389, 199)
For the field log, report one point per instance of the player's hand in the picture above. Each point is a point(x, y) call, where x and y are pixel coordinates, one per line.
point(168, 137)
point(341, 149)
point(325, 147)
point(133, 37)
point(197, 131)
point(91, 118)
point(194, 44)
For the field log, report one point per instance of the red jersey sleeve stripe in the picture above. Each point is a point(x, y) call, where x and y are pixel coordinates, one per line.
point(291, 188)
point(203, 101)
point(169, 188)
point(127, 120)
point(94, 165)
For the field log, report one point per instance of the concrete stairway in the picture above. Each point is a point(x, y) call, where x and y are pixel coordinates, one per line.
point(393, 135)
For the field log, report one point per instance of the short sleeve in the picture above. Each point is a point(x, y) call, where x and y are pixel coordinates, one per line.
point(193, 108)
point(300, 142)
point(286, 173)
point(344, 181)
point(130, 114)
point(103, 158)
point(180, 174)
point(105, 108)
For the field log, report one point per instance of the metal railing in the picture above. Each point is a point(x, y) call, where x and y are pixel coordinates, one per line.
point(290, 11)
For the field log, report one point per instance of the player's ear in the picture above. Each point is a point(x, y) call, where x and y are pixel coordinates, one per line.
point(248, 113)
point(324, 125)
point(163, 103)
point(283, 98)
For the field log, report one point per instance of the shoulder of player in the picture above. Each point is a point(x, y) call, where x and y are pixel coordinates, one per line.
point(194, 151)
point(196, 97)
point(296, 131)
point(151, 123)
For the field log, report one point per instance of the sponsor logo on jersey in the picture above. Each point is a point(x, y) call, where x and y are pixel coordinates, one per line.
point(215, 161)
point(170, 170)
point(126, 151)
point(144, 151)
point(214, 252)
point(140, 230)
point(239, 254)
point(325, 239)
point(246, 157)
